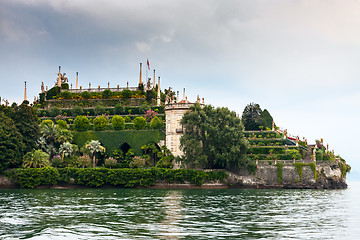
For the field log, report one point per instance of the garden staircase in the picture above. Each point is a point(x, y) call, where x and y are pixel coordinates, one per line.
point(308, 154)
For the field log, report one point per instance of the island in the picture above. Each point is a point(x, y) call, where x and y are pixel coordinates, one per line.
point(145, 136)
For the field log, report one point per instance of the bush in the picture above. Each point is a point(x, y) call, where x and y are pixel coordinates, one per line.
point(127, 119)
point(143, 108)
point(119, 109)
point(156, 123)
point(99, 110)
point(107, 94)
point(86, 95)
point(54, 111)
point(139, 123)
point(118, 123)
point(97, 177)
point(110, 162)
point(126, 93)
point(77, 110)
point(100, 123)
point(81, 123)
point(62, 124)
point(66, 95)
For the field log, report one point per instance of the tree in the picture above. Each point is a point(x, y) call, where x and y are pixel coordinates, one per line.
point(107, 93)
point(81, 123)
point(100, 123)
point(49, 132)
point(36, 159)
point(94, 146)
point(251, 117)
point(118, 123)
point(26, 122)
point(156, 123)
point(139, 123)
point(266, 119)
point(213, 138)
point(66, 149)
point(11, 144)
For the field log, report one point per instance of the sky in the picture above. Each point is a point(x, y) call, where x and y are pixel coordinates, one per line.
point(296, 58)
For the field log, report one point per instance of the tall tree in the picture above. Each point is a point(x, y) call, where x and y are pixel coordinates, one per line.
point(251, 117)
point(213, 138)
point(11, 144)
point(26, 121)
point(266, 119)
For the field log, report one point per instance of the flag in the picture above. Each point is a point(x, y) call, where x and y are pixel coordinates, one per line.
point(148, 64)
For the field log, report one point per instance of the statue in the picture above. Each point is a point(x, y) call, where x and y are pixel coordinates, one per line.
point(61, 79)
point(42, 87)
point(148, 84)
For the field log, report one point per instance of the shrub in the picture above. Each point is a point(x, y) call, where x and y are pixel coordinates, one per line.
point(127, 119)
point(110, 162)
point(156, 123)
point(138, 162)
point(126, 93)
point(57, 162)
point(85, 161)
point(36, 159)
point(62, 124)
point(150, 114)
point(65, 95)
point(119, 109)
point(100, 123)
point(86, 95)
point(107, 93)
point(46, 122)
point(143, 108)
point(54, 111)
point(77, 110)
point(81, 123)
point(118, 123)
point(139, 123)
point(99, 110)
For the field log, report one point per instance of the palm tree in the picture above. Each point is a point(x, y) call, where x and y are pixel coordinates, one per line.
point(94, 146)
point(66, 149)
point(36, 159)
point(50, 132)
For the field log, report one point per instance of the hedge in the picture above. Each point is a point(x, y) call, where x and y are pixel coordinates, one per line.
point(112, 140)
point(97, 177)
point(262, 134)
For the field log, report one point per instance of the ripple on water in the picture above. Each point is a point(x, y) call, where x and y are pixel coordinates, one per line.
point(179, 214)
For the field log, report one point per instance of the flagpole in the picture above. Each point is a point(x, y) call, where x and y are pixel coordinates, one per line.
point(147, 66)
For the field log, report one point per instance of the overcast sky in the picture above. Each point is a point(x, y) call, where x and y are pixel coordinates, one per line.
point(298, 59)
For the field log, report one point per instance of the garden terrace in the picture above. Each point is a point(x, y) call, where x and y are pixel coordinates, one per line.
point(88, 103)
point(267, 142)
point(95, 111)
point(262, 135)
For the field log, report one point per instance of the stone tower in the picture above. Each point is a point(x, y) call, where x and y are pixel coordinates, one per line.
point(174, 112)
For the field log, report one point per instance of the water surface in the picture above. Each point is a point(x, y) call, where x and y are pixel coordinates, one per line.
point(180, 214)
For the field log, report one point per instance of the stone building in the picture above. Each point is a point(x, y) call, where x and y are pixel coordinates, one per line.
point(174, 111)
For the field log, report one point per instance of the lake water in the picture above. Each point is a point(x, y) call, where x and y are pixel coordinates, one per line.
point(180, 214)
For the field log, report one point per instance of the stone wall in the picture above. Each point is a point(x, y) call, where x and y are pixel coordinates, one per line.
point(328, 177)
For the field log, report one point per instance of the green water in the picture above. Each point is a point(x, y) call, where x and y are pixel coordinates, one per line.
point(180, 214)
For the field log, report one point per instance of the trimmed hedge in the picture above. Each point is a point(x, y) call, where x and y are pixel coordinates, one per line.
point(112, 140)
point(97, 177)
point(262, 134)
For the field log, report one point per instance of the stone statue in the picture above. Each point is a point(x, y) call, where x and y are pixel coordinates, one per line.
point(42, 87)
